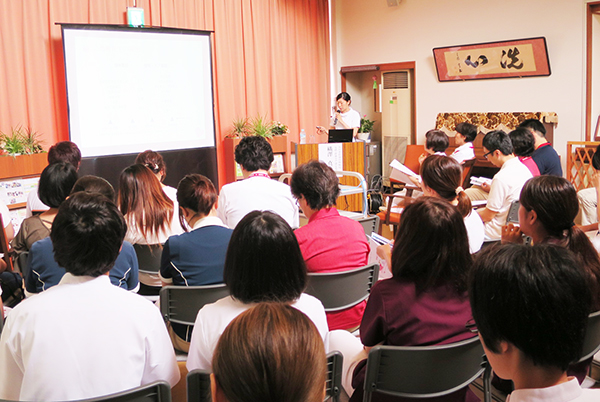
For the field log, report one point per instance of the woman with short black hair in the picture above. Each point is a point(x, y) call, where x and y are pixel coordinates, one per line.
point(56, 182)
point(263, 264)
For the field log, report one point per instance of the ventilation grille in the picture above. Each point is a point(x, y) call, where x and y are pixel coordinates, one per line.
point(395, 80)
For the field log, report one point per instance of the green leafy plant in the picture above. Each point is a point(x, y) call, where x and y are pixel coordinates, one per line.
point(21, 141)
point(260, 126)
point(366, 125)
point(241, 128)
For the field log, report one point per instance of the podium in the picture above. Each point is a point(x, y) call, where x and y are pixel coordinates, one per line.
point(353, 160)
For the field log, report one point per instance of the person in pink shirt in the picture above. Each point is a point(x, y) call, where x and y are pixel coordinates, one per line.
point(523, 147)
point(329, 242)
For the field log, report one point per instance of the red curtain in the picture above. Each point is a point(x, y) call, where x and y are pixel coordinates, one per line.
point(271, 57)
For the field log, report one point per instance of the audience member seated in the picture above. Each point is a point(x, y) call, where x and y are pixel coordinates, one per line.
point(149, 213)
point(270, 353)
point(531, 306)
point(64, 151)
point(425, 302)
point(195, 258)
point(548, 207)
point(465, 135)
point(588, 197)
point(155, 162)
point(257, 191)
point(329, 242)
point(56, 183)
point(544, 155)
point(442, 178)
point(523, 146)
point(263, 264)
point(506, 184)
point(84, 338)
point(44, 272)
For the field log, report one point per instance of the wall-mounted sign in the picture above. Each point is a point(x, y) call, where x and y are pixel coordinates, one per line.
point(505, 59)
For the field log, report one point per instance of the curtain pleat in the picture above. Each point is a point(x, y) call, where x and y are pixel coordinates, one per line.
point(270, 58)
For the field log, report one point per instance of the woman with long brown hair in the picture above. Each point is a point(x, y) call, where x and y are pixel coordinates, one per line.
point(149, 213)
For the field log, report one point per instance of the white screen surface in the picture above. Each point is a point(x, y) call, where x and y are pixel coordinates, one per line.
point(129, 90)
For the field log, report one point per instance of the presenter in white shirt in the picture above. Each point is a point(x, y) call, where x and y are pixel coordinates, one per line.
point(343, 115)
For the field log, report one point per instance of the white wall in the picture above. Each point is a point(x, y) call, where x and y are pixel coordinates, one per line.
point(368, 32)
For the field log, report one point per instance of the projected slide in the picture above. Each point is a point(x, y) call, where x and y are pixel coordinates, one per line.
point(132, 89)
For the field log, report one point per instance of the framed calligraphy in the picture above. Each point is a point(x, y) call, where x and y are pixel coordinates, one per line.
point(505, 59)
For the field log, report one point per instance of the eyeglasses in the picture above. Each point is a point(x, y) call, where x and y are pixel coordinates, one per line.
point(471, 326)
point(485, 155)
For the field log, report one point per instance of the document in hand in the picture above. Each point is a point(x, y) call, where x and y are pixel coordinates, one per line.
point(478, 181)
point(401, 173)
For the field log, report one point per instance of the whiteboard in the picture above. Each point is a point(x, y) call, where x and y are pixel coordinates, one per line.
point(132, 89)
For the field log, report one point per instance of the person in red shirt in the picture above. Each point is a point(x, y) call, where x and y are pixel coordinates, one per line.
point(329, 242)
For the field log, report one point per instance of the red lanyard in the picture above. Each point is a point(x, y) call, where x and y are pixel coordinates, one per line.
point(260, 174)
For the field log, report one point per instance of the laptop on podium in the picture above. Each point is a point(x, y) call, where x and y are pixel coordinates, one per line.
point(341, 135)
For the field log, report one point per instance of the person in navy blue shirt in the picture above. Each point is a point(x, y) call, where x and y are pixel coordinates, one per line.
point(544, 155)
point(44, 272)
point(196, 257)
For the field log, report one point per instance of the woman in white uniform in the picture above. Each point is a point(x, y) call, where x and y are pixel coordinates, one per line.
point(343, 115)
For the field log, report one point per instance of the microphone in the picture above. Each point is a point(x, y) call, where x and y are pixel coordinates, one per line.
point(336, 119)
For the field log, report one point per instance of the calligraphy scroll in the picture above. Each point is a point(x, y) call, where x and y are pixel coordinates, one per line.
point(506, 59)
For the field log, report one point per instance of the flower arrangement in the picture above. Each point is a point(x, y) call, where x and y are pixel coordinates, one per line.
point(278, 128)
point(366, 125)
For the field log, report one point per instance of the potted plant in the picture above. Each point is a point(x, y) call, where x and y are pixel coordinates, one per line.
point(365, 129)
point(25, 147)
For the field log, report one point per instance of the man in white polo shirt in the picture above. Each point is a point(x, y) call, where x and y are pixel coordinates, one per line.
point(506, 185)
point(257, 191)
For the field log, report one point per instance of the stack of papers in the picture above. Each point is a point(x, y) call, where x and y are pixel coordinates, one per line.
point(401, 173)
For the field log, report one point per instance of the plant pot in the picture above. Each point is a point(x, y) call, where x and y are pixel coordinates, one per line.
point(22, 165)
point(364, 136)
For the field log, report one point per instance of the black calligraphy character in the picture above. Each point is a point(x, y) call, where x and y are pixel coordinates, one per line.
point(481, 60)
point(514, 59)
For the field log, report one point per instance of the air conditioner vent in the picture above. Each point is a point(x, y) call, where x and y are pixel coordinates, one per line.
point(395, 80)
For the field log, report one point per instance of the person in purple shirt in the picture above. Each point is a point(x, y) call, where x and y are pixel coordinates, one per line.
point(425, 302)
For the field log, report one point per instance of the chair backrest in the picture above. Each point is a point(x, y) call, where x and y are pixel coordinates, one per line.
point(423, 371)
point(180, 304)
point(198, 381)
point(148, 256)
point(159, 391)
point(198, 386)
point(467, 169)
point(342, 290)
point(370, 224)
point(411, 160)
point(591, 343)
point(333, 383)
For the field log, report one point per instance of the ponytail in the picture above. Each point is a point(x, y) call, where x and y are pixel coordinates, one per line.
point(579, 243)
point(464, 202)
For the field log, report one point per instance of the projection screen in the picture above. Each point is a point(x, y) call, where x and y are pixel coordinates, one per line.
point(132, 89)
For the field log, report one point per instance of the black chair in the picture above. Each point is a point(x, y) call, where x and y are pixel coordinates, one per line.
point(148, 256)
point(591, 343)
point(159, 391)
point(180, 304)
point(425, 371)
point(370, 224)
point(198, 381)
point(342, 290)
point(198, 386)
